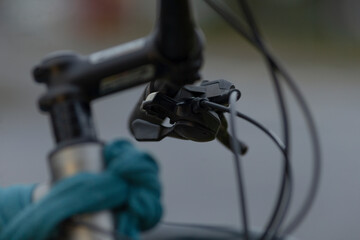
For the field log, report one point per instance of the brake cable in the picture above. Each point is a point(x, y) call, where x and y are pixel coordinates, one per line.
point(255, 40)
point(238, 166)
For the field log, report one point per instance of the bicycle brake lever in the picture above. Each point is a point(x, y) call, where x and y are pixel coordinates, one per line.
point(189, 120)
point(225, 138)
point(147, 131)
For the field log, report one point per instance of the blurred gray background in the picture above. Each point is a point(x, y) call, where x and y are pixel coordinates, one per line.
point(319, 43)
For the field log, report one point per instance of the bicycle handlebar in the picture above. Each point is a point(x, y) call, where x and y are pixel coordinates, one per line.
point(171, 55)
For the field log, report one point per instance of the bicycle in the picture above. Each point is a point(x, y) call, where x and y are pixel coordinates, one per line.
point(169, 59)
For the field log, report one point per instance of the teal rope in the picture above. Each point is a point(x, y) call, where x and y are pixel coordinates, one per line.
point(12, 201)
point(130, 185)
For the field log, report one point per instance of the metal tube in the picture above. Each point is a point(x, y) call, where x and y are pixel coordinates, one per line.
point(68, 161)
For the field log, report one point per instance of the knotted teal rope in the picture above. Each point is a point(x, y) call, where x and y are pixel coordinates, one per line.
point(12, 201)
point(130, 185)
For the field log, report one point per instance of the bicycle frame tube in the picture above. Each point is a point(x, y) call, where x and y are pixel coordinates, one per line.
point(172, 53)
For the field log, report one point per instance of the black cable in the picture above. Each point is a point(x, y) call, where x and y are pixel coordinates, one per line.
point(312, 129)
point(217, 229)
point(315, 142)
point(270, 134)
point(283, 201)
point(250, 19)
point(233, 21)
point(284, 198)
point(238, 169)
point(231, 18)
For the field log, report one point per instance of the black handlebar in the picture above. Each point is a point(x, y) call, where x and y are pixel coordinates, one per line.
point(170, 57)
